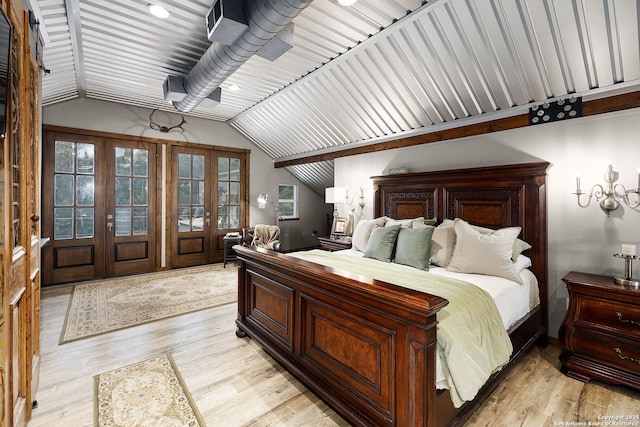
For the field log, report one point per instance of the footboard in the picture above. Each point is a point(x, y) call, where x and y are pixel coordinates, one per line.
point(366, 347)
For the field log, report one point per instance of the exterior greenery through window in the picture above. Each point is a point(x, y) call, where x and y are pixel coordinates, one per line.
point(288, 201)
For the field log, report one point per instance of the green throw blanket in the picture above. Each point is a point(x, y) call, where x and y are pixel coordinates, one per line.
point(472, 342)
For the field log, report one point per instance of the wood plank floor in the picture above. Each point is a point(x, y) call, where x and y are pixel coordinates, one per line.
point(234, 383)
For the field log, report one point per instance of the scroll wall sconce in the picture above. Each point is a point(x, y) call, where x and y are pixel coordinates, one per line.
point(610, 195)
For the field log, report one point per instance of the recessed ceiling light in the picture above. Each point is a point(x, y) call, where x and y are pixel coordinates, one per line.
point(346, 2)
point(234, 87)
point(158, 11)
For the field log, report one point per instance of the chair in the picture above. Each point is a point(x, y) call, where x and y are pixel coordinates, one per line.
point(262, 236)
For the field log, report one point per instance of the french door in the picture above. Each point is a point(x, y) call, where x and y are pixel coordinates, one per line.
point(207, 201)
point(99, 198)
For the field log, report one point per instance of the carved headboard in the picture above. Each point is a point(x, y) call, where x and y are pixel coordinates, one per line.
point(495, 197)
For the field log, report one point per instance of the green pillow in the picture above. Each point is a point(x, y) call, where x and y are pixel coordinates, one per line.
point(381, 243)
point(413, 247)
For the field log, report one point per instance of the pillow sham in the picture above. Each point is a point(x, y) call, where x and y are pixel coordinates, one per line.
point(423, 223)
point(413, 247)
point(484, 253)
point(382, 242)
point(519, 245)
point(362, 232)
point(443, 243)
point(403, 223)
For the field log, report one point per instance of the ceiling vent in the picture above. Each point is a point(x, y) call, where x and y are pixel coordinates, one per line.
point(173, 88)
point(226, 21)
point(279, 45)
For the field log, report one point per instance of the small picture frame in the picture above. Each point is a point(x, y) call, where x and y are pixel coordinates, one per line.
point(339, 227)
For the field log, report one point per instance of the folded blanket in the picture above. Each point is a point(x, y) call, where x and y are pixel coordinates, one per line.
point(266, 236)
point(472, 341)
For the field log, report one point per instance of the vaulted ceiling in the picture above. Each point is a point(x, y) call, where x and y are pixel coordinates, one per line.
point(375, 70)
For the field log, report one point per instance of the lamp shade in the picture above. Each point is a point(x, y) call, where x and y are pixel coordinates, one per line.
point(335, 195)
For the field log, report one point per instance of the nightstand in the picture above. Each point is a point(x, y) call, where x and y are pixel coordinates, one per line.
point(229, 254)
point(331, 245)
point(600, 334)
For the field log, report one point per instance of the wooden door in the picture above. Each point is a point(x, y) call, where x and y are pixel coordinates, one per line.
point(191, 206)
point(99, 207)
point(130, 214)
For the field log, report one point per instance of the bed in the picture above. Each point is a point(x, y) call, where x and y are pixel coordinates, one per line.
point(367, 346)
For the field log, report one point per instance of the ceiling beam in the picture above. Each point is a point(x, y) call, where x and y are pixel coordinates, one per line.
point(589, 108)
point(75, 31)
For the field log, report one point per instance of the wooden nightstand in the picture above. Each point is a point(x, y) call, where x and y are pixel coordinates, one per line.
point(600, 334)
point(329, 244)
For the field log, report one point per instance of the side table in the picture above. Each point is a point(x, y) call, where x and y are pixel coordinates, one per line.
point(229, 254)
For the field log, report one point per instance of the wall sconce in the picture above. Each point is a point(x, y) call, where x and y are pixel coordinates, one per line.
point(610, 195)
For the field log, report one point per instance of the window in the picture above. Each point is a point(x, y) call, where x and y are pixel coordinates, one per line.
point(288, 201)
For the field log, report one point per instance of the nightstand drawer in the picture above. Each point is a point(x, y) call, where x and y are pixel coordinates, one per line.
point(610, 315)
point(607, 349)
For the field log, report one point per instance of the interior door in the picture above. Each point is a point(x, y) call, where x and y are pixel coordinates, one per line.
point(191, 207)
point(130, 213)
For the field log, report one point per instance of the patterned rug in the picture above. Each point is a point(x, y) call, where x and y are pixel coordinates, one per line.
point(149, 393)
point(101, 306)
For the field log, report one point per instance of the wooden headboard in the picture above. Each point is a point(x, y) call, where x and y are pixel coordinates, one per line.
point(495, 197)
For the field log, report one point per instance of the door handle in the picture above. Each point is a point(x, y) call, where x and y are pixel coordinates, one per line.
point(110, 226)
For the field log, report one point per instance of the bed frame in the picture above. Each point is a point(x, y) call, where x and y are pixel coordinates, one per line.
point(368, 348)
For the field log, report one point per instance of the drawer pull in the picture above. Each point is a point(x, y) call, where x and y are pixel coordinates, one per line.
point(623, 357)
point(619, 316)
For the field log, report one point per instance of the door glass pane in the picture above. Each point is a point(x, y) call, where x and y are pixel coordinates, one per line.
point(191, 194)
point(123, 221)
point(84, 223)
point(184, 219)
point(223, 168)
point(223, 193)
point(229, 190)
point(198, 193)
point(197, 218)
point(140, 224)
point(63, 223)
point(184, 192)
point(140, 191)
point(234, 216)
point(64, 155)
point(85, 190)
point(140, 162)
point(234, 193)
point(234, 169)
point(198, 167)
point(123, 161)
point(223, 217)
point(74, 190)
point(86, 159)
point(184, 165)
point(123, 191)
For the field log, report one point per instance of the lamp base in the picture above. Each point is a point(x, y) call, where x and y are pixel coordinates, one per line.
point(627, 282)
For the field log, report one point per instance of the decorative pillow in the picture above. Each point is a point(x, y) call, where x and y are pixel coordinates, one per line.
point(484, 253)
point(423, 223)
point(362, 232)
point(519, 246)
point(382, 243)
point(404, 223)
point(443, 243)
point(521, 263)
point(413, 247)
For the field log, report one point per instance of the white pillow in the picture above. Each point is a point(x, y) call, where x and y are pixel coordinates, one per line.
point(443, 243)
point(521, 263)
point(484, 253)
point(403, 223)
point(362, 232)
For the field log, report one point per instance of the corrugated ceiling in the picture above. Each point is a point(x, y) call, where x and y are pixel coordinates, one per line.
point(378, 69)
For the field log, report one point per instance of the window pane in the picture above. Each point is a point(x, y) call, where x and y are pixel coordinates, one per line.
point(286, 191)
point(184, 219)
point(63, 190)
point(184, 192)
point(140, 162)
point(234, 171)
point(197, 219)
point(234, 193)
point(123, 161)
point(64, 156)
point(184, 165)
point(140, 226)
point(84, 223)
point(140, 191)
point(234, 216)
point(86, 159)
point(286, 209)
point(223, 217)
point(123, 191)
point(63, 223)
point(123, 221)
point(223, 168)
point(223, 193)
point(85, 190)
point(198, 167)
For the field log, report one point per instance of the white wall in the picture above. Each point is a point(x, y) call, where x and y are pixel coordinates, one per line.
point(579, 239)
point(264, 178)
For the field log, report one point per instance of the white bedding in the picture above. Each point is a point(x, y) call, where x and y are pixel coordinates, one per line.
point(512, 299)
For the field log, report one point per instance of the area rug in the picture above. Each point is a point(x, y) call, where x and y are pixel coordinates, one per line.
point(101, 306)
point(149, 393)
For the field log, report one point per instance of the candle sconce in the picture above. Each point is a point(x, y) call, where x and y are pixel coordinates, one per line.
point(628, 271)
point(610, 195)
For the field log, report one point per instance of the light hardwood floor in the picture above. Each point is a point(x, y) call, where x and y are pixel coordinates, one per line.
point(234, 383)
